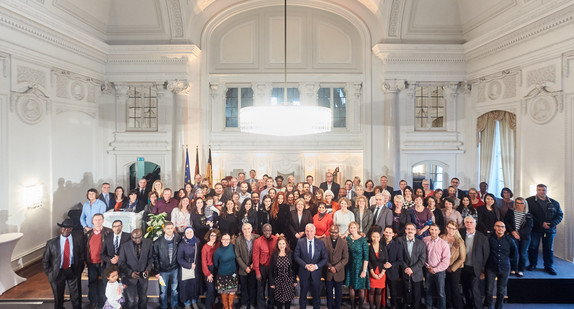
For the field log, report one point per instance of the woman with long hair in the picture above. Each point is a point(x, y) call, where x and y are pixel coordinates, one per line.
point(157, 187)
point(438, 196)
point(457, 258)
point(465, 208)
point(322, 221)
point(198, 220)
point(400, 216)
point(308, 197)
point(318, 196)
point(189, 191)
point(488, 214)
point(280, 214)
point(409, 198)
point(283, 278)
point(247, 213)
point(357, 267)
point(228, 222)
point(369, 189)
point(519, 224)
point(264, 213)
point(188, 259)
point(437, 217)
point(207, 267)
point(299, 217)
point(226, 281)
point(181, 216)
point(290, 199)
point(421, 217)
point(363, 215)
point(119, 198)
point(377, 259)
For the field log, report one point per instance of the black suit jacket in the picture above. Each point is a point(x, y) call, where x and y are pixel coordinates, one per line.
point(303, 258)
point(129, 262)
point(334, 187)
point(53, 257)
point(295, 226)
point(108, 247)
point(395, 255)
point(377, 262)
point(480, 250)
point(112, 200)
point(416, 261)
point(142, 199)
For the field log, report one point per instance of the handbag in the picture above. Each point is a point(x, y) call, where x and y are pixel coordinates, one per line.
point(188, 273)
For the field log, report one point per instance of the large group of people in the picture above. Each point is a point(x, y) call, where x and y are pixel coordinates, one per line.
point(260, 239)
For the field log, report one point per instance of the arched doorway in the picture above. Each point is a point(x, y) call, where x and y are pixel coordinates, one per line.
point(143, 169)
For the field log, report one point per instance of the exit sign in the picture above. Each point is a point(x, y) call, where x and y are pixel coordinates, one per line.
point(140, 159)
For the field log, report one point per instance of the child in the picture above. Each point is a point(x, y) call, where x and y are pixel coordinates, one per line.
point(210, 209)
point(114, 289)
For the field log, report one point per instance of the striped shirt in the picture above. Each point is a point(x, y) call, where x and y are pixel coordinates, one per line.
point(518, 219)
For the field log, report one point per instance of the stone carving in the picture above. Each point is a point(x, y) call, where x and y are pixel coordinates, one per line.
point(354, 90)
point(543, 104)
point(393, 86)
point(539, 76)
point(395, 17)
point(78, 90)
point(32, 76)
point(31, 105)
point(175, 18)
point(179, 87)
point(494, 90)
point(510, 82)
point(61, 86)
point(92, 93)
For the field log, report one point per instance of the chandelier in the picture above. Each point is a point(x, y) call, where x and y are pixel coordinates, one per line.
point(286, 118)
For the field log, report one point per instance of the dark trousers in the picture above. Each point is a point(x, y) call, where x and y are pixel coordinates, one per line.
point(136, 288)
point(501, 283)
point(395, 287)
point(522, 246)
point(262, 286)
point(96, 286)
point(453, 297)
point(471, 288)
point(338, 286)
point(210, 289)
point(59, 285)
point(310, 285)
point(248, 285)
point(413, 293)
point(547, 248)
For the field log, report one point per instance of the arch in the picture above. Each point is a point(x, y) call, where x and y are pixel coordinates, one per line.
point(152, 172)
point(434, 170)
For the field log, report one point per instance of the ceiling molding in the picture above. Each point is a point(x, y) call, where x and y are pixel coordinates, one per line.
point(417, 53)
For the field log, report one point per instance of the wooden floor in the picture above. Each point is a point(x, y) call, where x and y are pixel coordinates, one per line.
point(36, 287)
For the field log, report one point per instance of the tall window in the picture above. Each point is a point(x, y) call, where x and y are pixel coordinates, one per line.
point(142, 109)
point(235, 99)
point(431, 171)
point(334, 98)
point(429, 108)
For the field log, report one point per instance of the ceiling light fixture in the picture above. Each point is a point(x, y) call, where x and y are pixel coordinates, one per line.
point(285, 119)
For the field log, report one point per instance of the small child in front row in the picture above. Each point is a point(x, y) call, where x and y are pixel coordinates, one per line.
point(114, 289)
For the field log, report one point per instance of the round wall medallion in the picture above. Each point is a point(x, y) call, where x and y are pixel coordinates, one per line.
point(494, 89)
point(542, 109)
point(30, 109)
point(78, 90)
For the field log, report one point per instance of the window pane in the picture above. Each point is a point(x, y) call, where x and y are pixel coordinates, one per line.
point(246, 97)
point(429, 107)
point(231, 108)
point(339, 108)
point(142, 109)
point(324, 97)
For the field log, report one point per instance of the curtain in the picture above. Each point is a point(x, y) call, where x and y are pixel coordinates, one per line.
point(486, 140)
point(507, 142)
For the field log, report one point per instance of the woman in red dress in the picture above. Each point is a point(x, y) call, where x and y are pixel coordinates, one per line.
point(377, 258)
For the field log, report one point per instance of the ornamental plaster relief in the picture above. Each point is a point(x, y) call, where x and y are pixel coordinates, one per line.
point(31, 76)
point(497, 86)
point(397, 8)
point(542, 104)
point(539, 76)
point(178, 87)
point(175, 18)
point(31, 106)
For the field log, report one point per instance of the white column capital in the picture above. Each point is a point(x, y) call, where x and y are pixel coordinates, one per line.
point(179, 87)
point(393, 85)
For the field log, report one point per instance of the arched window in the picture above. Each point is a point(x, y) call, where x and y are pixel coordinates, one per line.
point(431, 170)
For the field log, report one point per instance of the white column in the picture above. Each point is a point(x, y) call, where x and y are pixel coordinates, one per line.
point(386, 148)
point(180, 90)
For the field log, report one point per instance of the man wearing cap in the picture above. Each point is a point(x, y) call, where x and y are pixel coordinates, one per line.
point(63, 263)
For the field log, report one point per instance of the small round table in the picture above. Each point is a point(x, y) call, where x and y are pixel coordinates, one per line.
point(8, 279)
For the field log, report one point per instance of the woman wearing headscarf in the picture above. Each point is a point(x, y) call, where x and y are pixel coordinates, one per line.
point(188, 257)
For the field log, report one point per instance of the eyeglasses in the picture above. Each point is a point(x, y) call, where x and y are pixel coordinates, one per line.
point(519, 203)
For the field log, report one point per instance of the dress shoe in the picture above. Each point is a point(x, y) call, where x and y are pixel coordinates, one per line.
point(520, 274)
point(550, 271)
point(530, 267)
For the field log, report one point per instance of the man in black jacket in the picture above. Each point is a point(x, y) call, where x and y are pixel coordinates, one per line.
point(112, 243)
point(165, 263)
point(477, 251)
point(63, 263)
point(135, 262)
point(547, 215)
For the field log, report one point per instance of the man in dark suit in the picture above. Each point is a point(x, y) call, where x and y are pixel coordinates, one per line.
point(393, 266)
point(228, 192)
point(311, 257)
point(142, 192)
point(384, 182)
point(477, 251)
point(63, 263)
point(135, 262)
point(312, 188)
point(105, 196)
point(334, 273)
point(459, 193)
point(113, 243)
point(414, 258)
point(330, 185)
point(402, 185)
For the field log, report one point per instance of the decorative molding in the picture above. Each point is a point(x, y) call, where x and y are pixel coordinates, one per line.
point(65, 107)
point(566, 58)
point(535, 29)
point(178, 87)
point(543, 104)
point(175, 18)
point(308, 92)
point(393, 86)
point(451, 90)
point(76, 86)
point(31, 106)
point(395, 18)
point(107, 87)
point(32, 76)
point(420, 53)
point(354, 91)
point(501, 85)
point(541, 75)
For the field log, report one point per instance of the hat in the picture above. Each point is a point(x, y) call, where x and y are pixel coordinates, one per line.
point(67, 223)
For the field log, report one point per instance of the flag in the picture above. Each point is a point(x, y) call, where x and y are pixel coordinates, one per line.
point(187, 178)
point(209, 170)
point(196, 161)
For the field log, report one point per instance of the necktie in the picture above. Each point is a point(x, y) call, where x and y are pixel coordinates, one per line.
point(116, 244)
point(232, 189)
point(66, 258)
point(311, 249)
point(107, 197)
point(376, 215)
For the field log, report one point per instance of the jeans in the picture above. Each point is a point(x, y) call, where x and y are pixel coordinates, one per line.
point(210, 287)
point(522, 246)
point(248, 286)
point(500, 287)
point(338, 294)
point(96, 287)
point(547, 248)
point(170, 279)
point(435, 281)
point(470, 287)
